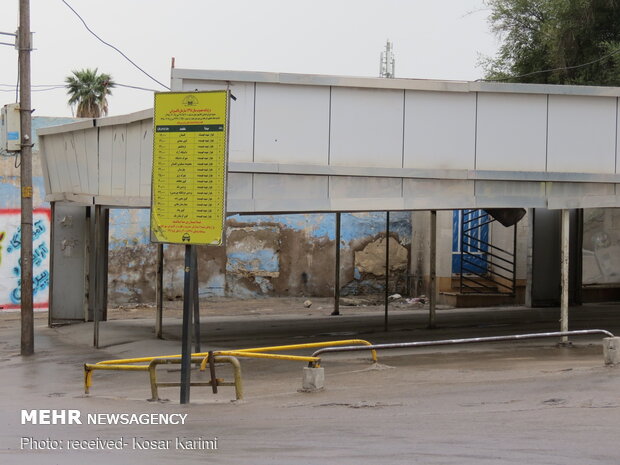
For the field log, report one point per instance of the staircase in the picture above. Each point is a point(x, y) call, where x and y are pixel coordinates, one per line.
point(487, 274)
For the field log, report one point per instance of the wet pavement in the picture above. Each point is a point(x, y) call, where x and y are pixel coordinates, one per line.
point(502, 403)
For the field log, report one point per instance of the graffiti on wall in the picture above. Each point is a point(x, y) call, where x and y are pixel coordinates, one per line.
point(10, 262)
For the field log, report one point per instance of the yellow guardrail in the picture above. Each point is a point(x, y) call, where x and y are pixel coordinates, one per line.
point(152, 369)
point(228, 356)
point(254, 350)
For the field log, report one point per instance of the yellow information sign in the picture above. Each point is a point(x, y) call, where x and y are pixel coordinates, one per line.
point(189, 167)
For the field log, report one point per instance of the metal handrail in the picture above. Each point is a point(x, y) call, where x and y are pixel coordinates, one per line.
point(489, 254)
point(478, 225)
point(486, 251)
point(495, 273)
point(404, 345)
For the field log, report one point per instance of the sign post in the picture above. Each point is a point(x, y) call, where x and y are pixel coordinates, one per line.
point(188, 202)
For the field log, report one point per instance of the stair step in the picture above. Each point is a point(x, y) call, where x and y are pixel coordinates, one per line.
point(474, 299)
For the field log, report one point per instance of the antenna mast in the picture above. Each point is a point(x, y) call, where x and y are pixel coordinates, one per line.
point(387, 62)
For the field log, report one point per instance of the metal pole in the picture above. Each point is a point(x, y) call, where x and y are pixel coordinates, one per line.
point(337, 269)
point(105, 246)
point(159, 291)
point(514, 260)
point(27, 316)
point(387, 268)
point(432, 302)
point(565, 232)
point(461, 227)
point(50, 310)
point(186, 339)
point(196, 301)
point(96, 247)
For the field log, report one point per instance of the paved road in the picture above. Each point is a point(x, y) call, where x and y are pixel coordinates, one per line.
point(528, 402)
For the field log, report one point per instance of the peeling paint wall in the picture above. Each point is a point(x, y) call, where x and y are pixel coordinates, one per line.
point(264, 255)
point(601, 246)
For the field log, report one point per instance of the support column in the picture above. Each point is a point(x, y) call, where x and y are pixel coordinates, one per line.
point(159, 292)
point(565, 234)
point(186, 338)
point(98, 265)
point(337, 270)
point(26, 289)
point(387, 268)
point(432, 299)
point(195, 297)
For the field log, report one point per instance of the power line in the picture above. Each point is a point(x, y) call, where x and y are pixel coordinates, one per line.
point(34, 85)
point(45, 88)
point(564, 68)
point(112, 46)
point(135, 87)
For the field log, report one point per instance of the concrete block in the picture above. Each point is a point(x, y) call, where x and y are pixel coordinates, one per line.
point(611, 350)
point(313, 379)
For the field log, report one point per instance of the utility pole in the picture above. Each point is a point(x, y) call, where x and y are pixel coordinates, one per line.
point(24, 46)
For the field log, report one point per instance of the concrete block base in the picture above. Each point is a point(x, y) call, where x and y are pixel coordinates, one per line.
point(313, 379)
point(611, 350)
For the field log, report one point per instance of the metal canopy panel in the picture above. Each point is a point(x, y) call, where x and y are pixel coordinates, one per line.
point(440, 130)
point(512, 132)
point(286, 115)
point(582, 134)
point(328, 143)
point(367, 127)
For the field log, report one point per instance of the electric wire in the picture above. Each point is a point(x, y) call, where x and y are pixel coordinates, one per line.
point(563, 68)
point(47, 87)
point(112, 46)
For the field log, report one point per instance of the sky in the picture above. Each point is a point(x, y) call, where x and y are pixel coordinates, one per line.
point(432, 39)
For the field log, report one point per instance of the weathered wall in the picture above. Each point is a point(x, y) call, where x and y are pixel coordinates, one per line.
point(601, 246)
point(264, 255)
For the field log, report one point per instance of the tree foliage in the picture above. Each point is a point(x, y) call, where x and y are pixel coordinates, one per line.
point(557, 35)
point(89, 90)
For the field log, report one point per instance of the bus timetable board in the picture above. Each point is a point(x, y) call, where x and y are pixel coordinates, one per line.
point(189, 167)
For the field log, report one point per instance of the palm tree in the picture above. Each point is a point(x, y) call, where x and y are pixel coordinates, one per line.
point(88, 90)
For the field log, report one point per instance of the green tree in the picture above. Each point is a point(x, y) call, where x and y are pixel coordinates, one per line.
point(558, 35)
point(88, 90)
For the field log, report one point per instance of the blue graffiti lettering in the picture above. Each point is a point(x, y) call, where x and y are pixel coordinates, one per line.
point(16, 241)
point(39, 254)
point(38, 229)
point(16, 294)
point(39, 283)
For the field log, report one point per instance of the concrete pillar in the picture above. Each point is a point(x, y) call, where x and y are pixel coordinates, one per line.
point(611, 350)
point(565, 234)
point(432, 295)
point(337, 269)
point(313, 379)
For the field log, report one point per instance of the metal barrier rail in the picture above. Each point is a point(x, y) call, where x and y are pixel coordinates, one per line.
point(257, 350)
point(152, 369)
point(237, 383)
point(224, 355)
point(403, 345)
